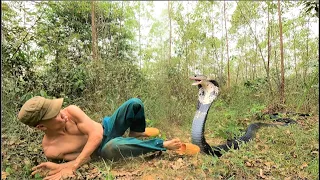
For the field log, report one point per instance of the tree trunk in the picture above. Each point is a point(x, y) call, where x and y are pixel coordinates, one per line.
point(120, 28)
point(225, 24)
point(277, 81)
point(214, 52)
point(140, 59)
point(186, 42)
point(269, 53)
point(187, 66)
point(222, 52)
point(305, 70)
point(255, 54)
point(94, 33)
point(295, 55)
point(282, 97)
point(170, 30)
point(169, 66)
point(255, 38)
point(238, 68)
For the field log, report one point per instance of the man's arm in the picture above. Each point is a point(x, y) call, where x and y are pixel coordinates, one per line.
point(53, 170)
point(71, 163)
point(89, 127)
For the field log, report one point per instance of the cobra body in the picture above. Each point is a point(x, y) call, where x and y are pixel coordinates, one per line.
point(208, 92)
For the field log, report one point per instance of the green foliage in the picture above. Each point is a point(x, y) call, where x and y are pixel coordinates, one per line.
point(311, 8)
point(46, 51)
point(256, 84)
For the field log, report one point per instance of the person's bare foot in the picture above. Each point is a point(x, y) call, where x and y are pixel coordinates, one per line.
point(173, 144)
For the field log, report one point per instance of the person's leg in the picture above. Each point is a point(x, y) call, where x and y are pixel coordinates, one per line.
point(120, 147)
point(129, 115)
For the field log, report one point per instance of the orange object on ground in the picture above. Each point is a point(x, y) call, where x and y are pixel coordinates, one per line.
point(151, 132)
point(188, 149)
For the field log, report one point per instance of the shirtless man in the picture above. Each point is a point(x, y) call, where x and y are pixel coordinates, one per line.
point(73, 136)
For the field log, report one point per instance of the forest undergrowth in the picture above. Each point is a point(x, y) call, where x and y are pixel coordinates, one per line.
point(290, 152)
point(98, 54)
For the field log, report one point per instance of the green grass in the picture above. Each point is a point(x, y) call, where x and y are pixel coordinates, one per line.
point(276, 153)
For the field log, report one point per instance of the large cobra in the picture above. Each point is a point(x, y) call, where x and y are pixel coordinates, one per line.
point(208, 92)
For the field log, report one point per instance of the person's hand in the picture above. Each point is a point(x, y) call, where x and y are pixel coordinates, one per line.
point(45, 168)
point(63, 173)
point(52, 171)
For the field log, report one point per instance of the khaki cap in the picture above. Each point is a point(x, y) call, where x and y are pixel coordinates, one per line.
point(39, 108)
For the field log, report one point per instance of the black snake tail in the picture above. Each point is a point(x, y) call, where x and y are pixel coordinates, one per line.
point(249, 135)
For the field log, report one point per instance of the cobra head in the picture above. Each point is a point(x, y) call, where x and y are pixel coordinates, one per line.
point(208, 88)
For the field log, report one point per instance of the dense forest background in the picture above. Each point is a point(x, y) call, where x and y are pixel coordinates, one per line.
point(48, 50)
point(96, 55)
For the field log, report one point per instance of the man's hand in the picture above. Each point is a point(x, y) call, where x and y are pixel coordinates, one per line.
point(64, 173)
point(53, 171)
point(46, 168)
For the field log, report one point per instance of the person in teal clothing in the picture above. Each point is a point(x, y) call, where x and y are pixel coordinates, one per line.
point(129, 115)
point(70, 135)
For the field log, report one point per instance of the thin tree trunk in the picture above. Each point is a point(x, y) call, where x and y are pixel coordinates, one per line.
point(169, 65)
point(186, 43)
point(276, 77)
point(251, 67)
point(94, 33)
point(120, 28)
point(170, 30)
point(269, 54)
point(295, 54)
point(140, 59)
point(238, 68)
point(255, 38)
point(187, 66)
point(282, 96)
point(277, 81)
point(306, 68)
point(225, 24)
point(245, 61)
point(222, 50)
point(255, 54)
point(213, 44)
point(307, 58)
